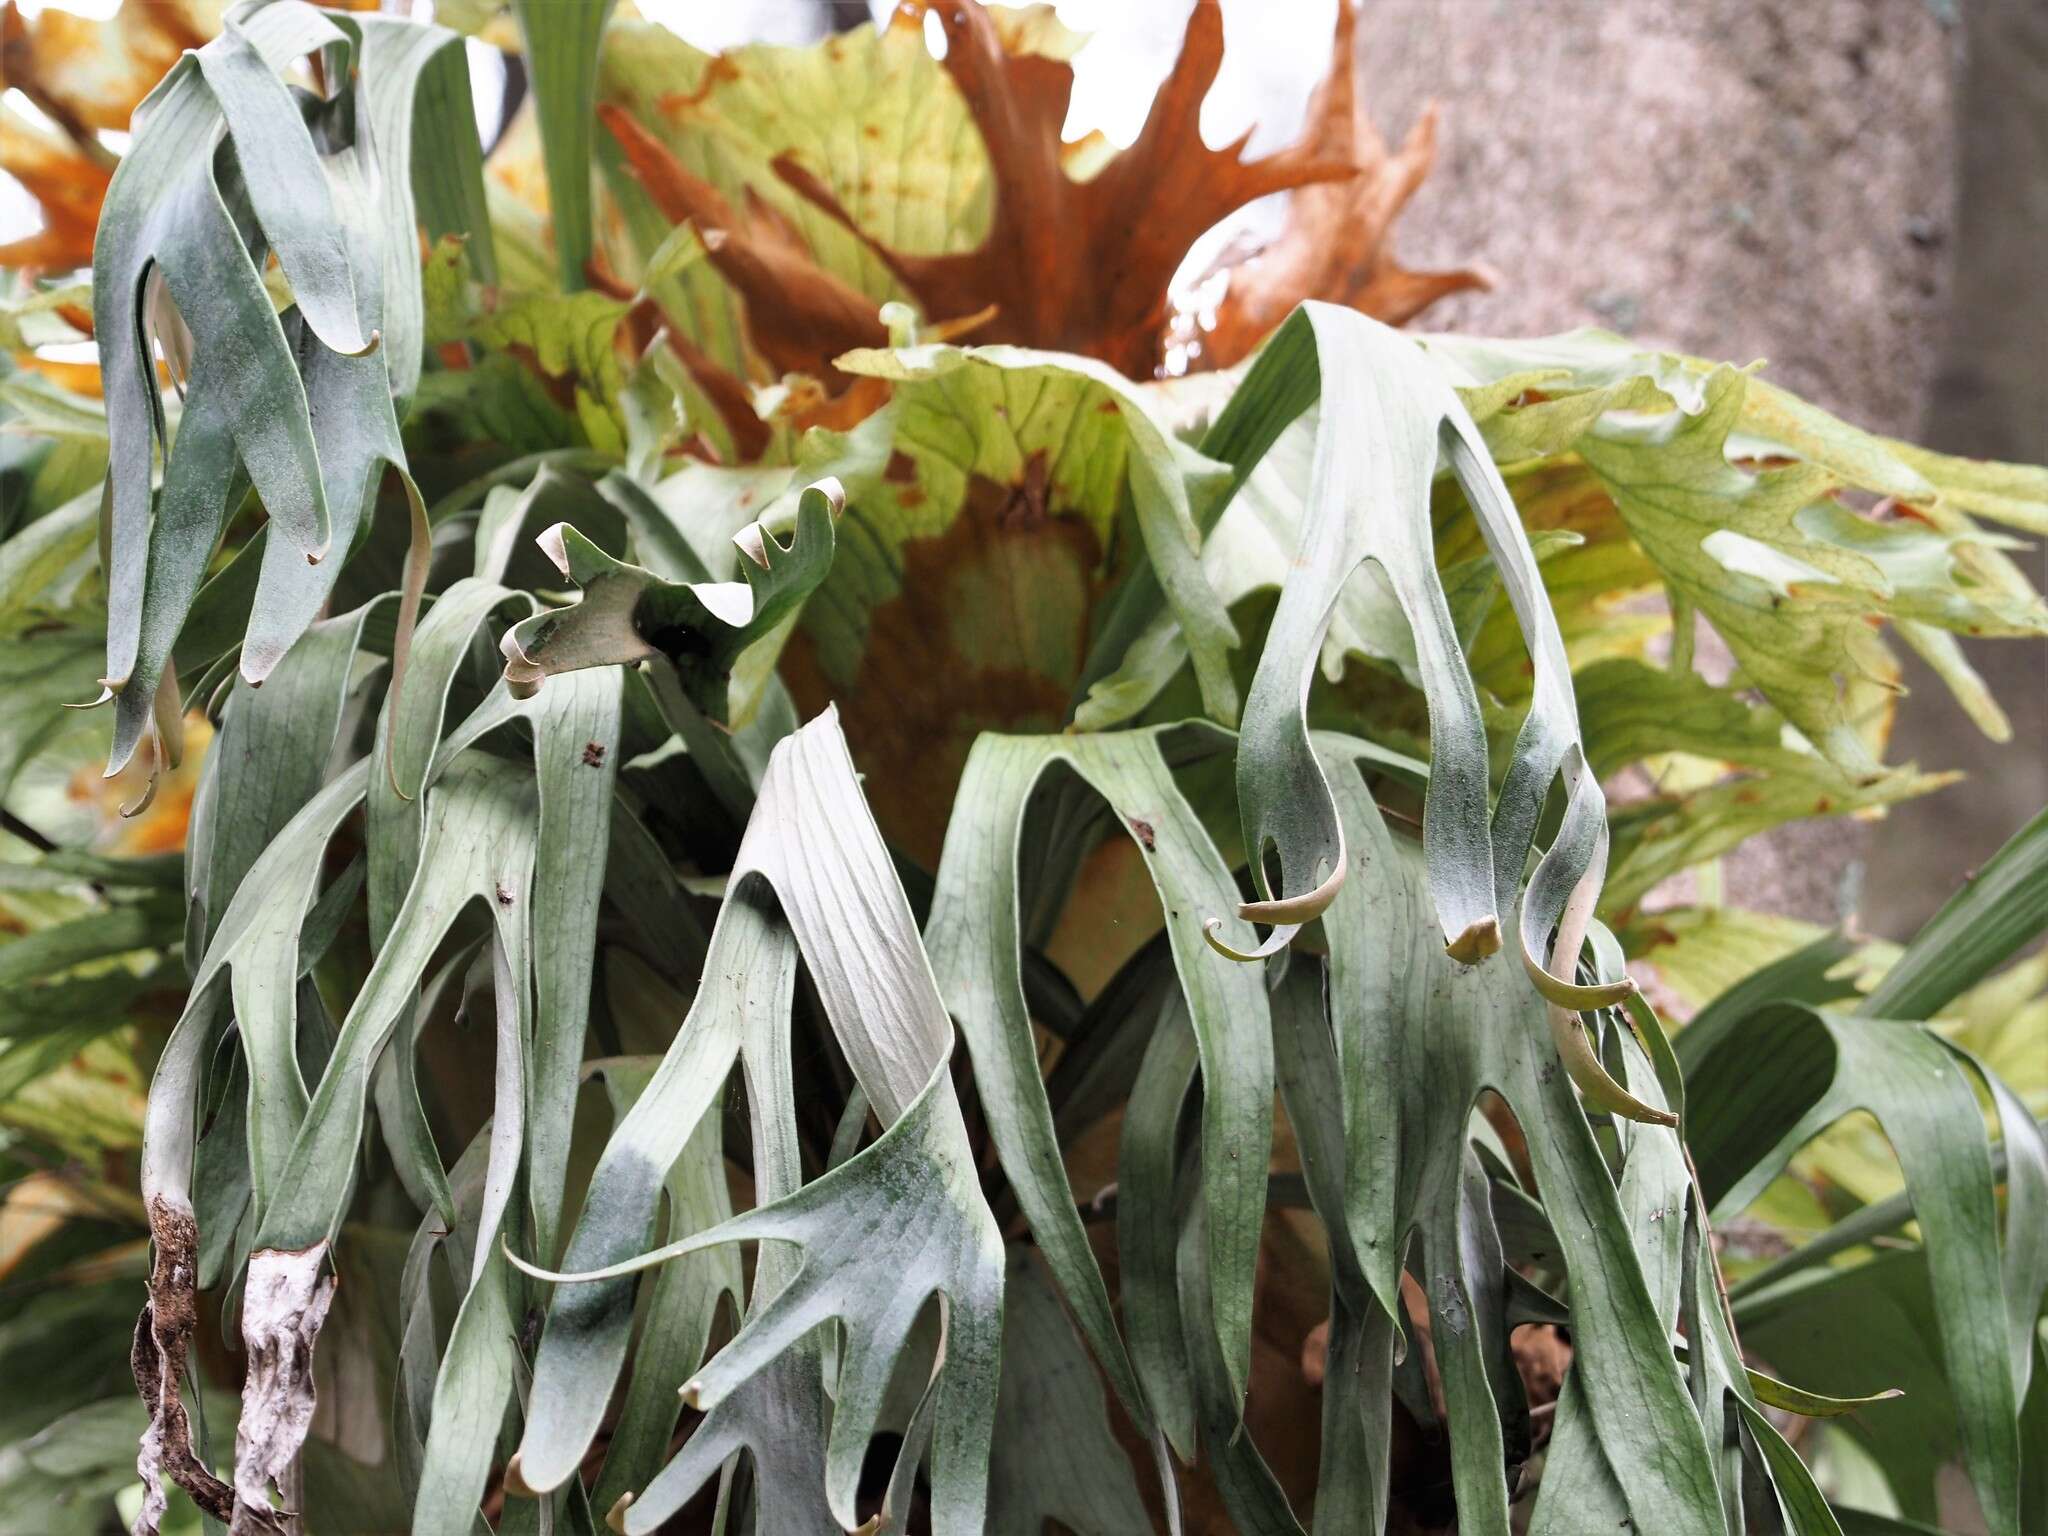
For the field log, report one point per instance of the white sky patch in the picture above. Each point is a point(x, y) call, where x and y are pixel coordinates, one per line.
point(1275, 53)
point(19, 103)
point(98, 10)
point(20, 217)
point(718, 27)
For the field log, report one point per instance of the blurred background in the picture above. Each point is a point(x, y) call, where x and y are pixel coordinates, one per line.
point(1853, 190)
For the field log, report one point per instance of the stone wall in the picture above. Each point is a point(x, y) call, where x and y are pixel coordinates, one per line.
point(1760, 179)
point(1989, 400)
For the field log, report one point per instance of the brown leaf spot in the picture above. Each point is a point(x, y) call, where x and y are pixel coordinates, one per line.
point(593, 754)
point(1142, 830)
point(723, 69)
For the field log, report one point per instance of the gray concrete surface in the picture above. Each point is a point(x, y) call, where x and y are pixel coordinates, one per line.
point(1851, 189)
point(1989, 399)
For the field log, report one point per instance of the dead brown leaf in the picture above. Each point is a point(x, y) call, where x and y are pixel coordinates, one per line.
point(89, 74)
point(284, 1302)
point(1082, 266)
point(799, 315)
point(68, 183)
point(163, 1338)
point(1338, 241)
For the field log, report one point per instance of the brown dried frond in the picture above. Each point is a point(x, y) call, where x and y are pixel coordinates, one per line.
point(1078, 265)
point(1338, 241)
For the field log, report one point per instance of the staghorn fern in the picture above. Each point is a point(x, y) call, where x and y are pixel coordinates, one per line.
point(1121, 694)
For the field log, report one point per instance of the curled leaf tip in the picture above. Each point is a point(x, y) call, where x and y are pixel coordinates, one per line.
point(1294, 911)
point(551, 545)
point(119, 758)
point(525, 1267)
point(615, 1517)
point(752, 541)
point(523, 675)
point(217, 701)
point(1593, 1079)
point(901, 319)
point(136, 807)
point(1573, 997)
point(106, 695)
point(1276, 941)
point(1811, 1405)
point(1476, 942)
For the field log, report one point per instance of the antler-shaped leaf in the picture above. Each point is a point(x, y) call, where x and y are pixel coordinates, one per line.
point(1731, 491)
point(1388, 418)
point(976, 948)
point(628, 614)
point(1745, 1127)
point(230, 165)
point(880, 1236)
point(964, 197)
point(1418, 1036)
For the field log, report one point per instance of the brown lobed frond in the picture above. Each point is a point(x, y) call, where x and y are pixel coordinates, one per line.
point(799, 315)
point(1080, 264)
point(1083, 266)
point(1338, 241)
point(86, 75)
